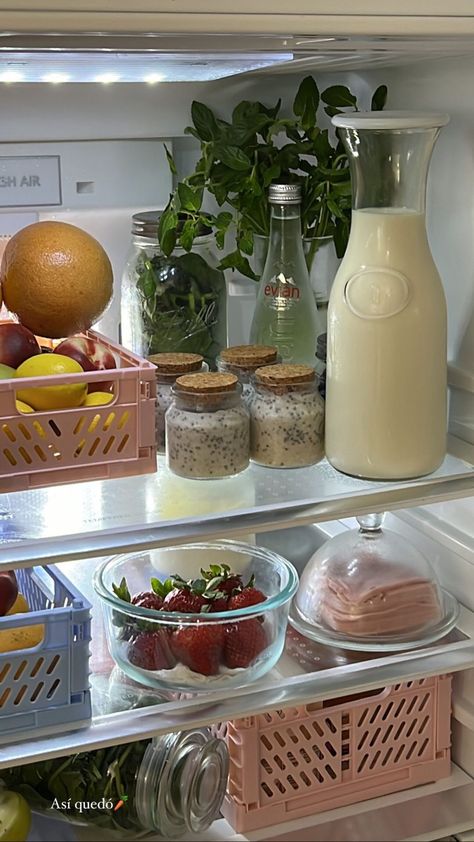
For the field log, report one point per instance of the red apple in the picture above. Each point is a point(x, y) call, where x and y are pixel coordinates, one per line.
point(8, 590)
point(17, 344)
point(91, 355)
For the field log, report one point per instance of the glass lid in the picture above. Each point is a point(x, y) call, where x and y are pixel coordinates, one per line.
point(371, 589)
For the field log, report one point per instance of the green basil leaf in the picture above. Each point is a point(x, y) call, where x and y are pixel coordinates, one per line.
point(236, 260)
point(379, 98)
point(339, 96)
point(331, 111)
point(190, 200)
point(245, 242)
point(306, 102)
point(223, 220)
point(234, 158)
point(271, 174)
point(220, 239)
point(334, 208)
point(188, 232)
point(167, 230)
point(204, 121)
point(220, 192)
point(170, 160)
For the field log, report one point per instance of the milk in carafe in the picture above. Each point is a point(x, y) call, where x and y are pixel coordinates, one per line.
point(386, 398)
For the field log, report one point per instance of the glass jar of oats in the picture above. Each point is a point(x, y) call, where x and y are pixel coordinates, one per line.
point(168, 368)
point(286, 417)
point(243, 361)
point(207, 427)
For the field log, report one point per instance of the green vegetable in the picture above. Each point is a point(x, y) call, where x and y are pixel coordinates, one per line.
point(108, 773)
point(241, 158)
point(179, 301)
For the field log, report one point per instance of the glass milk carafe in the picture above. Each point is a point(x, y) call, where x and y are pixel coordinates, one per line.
point(386, 359)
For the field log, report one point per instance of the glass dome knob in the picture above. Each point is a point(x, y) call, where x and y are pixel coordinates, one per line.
point(371, 523)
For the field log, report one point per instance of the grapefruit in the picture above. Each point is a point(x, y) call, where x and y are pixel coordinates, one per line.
point(56, 278)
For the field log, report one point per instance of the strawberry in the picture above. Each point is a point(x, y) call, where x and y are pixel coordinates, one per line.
point(199, 646)
point(148, 599)
point(231, 583)
point(184, 601)
point(150, 650)
point(249, 596)
point(243, 642)
point(220, 603)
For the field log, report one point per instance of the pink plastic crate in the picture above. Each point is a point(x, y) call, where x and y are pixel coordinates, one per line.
point(299, 761)
point(84, 443)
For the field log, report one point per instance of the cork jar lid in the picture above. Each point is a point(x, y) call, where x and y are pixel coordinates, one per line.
point(176, 363)
point(207, 384)
point(285, 375)
point(249, 356)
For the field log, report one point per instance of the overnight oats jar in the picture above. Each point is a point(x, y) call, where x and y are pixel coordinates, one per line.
point(168, 368)
point(243, 361)
point(207, 427)
point(286, 417)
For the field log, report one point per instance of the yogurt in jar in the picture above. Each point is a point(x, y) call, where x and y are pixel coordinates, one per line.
point(286, 417)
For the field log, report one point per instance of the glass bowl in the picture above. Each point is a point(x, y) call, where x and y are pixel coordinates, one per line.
point(266, 621)
point(371, 589)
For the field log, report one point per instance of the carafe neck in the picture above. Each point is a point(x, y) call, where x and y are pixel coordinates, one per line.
point(389, 167)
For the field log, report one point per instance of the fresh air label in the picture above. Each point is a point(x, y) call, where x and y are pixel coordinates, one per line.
point(28, 181)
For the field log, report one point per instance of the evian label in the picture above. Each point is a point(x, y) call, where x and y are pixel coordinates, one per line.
point(282, 287)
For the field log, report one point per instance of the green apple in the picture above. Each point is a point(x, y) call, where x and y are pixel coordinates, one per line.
point(6, 372)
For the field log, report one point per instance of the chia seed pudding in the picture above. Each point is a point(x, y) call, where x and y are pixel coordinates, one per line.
point(168, 368)
point(286, 417)
point(243, 361)
point(207, 427)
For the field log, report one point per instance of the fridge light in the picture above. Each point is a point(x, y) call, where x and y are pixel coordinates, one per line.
point(11, 76)
point(105, 66)
point(107, 78)
point(56, 78)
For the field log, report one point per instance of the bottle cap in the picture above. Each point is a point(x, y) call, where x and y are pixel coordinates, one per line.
point(285, 194)
point(249, 356)
point(285, 375)
point(176, 363)
point(207, 383)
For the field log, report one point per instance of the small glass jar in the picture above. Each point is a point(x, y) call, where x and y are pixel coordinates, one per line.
point(168, 368)
point(286, 417)
point(171, 785)
point(207, 427)
point(243, 361)
point(172, 303)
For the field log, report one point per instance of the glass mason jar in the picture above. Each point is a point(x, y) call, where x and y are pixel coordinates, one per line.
point(168, 368)
point(176, 303)
point(207, 427)
point(243, 361)
point(171, 785)
point(386, 400)
point(286, 417)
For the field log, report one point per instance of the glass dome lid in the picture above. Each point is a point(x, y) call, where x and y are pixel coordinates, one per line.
point(371, 589)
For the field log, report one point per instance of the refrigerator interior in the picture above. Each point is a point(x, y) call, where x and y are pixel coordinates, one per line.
point(110, 139)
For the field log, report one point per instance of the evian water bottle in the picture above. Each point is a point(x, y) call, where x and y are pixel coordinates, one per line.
point(285, 312)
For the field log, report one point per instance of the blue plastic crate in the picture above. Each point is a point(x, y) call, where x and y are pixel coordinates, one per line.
point(46, 687)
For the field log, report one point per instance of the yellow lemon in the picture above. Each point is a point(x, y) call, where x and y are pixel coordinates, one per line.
point(15, 817)
point(26, 637)
point(20, 606)
point(98, 398)
point(23, 407)
point(51, 397)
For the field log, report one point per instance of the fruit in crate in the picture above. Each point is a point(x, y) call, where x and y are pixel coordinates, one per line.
point(17, 344)
point(51, 397)
point(98, 399)
point(203, 647)
point(6, 372)
point(8, 591)
point(23, 637)
point(56, 278)
point(15, 817)
point(91, 354)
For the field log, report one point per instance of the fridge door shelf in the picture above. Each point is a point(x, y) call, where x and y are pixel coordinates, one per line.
point(138, 513)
